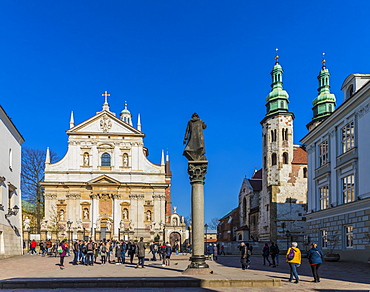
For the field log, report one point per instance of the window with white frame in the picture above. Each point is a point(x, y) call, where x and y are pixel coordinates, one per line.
point(324, 238)
point(348, 188)
point(323, 153)
point(349, 236)
point(324, 197)
point(348, 137)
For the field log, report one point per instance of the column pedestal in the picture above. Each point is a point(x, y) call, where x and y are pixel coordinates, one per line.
point(197, 171)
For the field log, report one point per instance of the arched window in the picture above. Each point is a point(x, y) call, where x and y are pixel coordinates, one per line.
point(285, 158)
point(264, 140)
point(273, 159)
point(105, 159)
point(305, 172)
point(282, 104)
point(273, 135)
point(245, 208)
point(264, 162)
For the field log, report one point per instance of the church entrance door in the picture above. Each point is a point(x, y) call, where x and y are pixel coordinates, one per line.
point(175, 237)
point(103, 231)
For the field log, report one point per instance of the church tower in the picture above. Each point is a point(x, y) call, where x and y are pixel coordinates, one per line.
point(277, 130)
point(284, 186)
point(324, 103)
point(126, 115)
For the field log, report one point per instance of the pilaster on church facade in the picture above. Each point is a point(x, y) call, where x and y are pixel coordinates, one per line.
point(105, 185)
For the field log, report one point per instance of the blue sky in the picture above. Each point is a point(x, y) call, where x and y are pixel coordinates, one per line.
point(169, 59)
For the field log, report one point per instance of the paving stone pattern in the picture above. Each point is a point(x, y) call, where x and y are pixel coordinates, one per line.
point(340, 276)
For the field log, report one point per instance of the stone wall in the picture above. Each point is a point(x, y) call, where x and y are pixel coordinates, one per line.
point(336, 222)
point(10, 243)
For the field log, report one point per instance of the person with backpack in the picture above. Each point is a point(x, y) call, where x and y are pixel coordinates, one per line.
point(76, 251)
point(103, 253)
point(90, 253)
point(83, 252)
point(168, 250)
point(123, 252)
point(131, 247)
point(154, 249)
point(244, 256)
point(266, 254)
point(315, 256)
point(48, 246)
point(293, 258)
point(162, 253)
point(62, 250)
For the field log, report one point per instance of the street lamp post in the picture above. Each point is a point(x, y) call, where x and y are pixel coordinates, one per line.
point(69, 224)
point(119, 234)
point(288, 235)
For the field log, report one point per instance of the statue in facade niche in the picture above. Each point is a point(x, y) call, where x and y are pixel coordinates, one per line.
point(148, 216)
point(27, 223)
point(174, 221)
point(86, 213)
point(195, 149)
point(109, 225)
point(61, 215)
point(125, 160)
point(125, 214)
point(86, 159)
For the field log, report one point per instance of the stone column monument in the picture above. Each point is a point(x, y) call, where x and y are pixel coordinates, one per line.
point(197, 168)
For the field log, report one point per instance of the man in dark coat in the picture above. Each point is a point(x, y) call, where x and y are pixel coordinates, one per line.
point(140, 251)
point(195, 149)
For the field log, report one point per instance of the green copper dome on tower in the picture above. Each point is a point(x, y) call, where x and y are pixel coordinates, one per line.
point(277, 100)
point(324, 103)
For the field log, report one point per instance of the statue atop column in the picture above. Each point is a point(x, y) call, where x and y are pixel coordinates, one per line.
point(194, 139)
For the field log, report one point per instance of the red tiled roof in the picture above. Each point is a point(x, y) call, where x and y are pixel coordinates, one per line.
point(299, 156)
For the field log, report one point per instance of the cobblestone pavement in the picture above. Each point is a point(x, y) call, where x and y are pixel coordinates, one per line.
point(340, 276)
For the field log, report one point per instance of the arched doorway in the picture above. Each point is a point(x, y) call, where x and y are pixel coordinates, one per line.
point(175, 237)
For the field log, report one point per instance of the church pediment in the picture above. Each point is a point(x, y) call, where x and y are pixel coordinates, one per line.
point(104, 122)
point(103, 180)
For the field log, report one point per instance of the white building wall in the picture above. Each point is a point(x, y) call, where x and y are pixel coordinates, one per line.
point(10, 170)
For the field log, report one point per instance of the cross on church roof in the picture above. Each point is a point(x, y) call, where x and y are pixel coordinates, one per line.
point(105, 94)
point(106, 105)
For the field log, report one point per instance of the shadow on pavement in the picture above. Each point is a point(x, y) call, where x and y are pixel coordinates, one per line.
point(341, 271)
point(103, 282)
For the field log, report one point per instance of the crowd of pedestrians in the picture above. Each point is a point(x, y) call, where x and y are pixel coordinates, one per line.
point(115, 252)
point(111, 251)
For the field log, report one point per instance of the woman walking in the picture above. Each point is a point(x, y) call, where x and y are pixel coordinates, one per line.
point(62, 250)
point(315, 256)
point(293, 258)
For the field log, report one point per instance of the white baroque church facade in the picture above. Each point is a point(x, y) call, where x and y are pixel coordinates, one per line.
point(105, 187)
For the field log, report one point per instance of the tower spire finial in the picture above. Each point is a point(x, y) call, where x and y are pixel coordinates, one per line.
point(71, 121)
point(323, 61)
point(105, 105)
point(277, 56)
